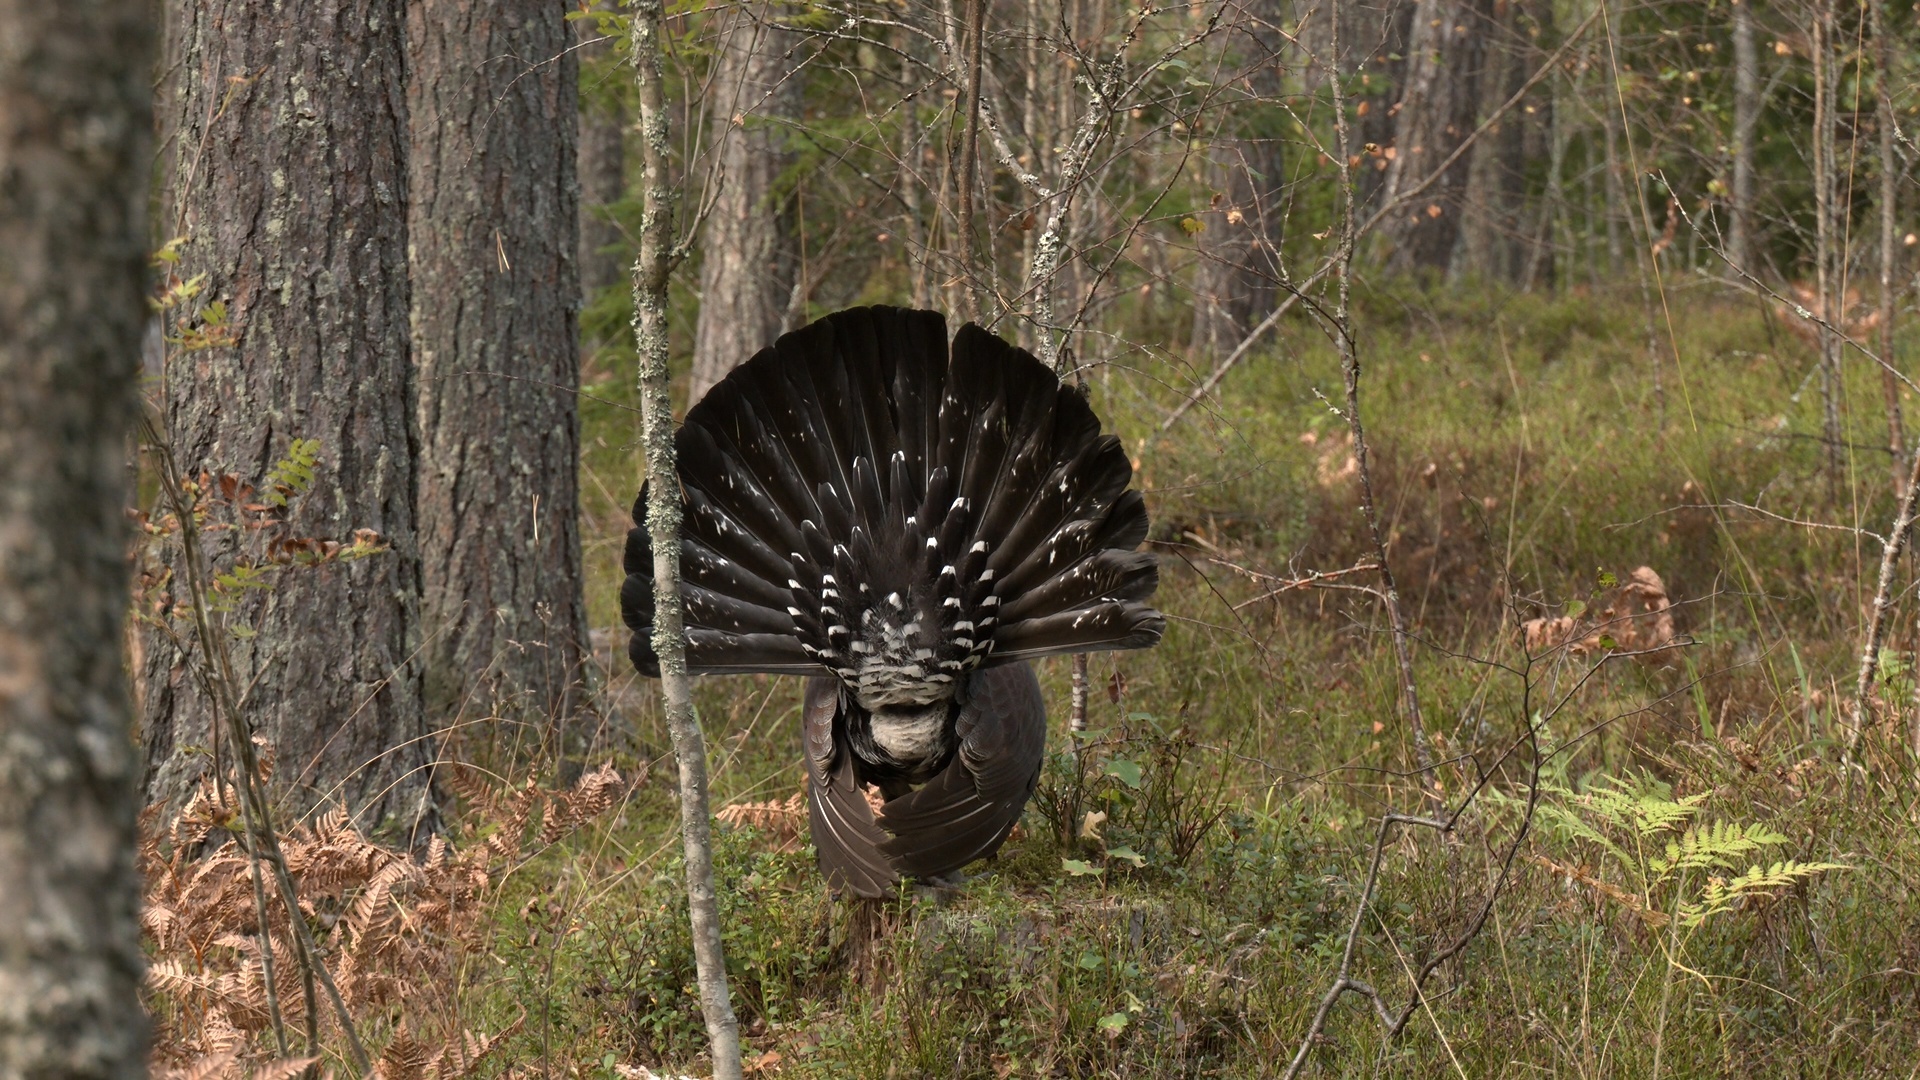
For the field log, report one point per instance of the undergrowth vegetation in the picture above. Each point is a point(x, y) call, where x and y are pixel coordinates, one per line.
point(1719, 877)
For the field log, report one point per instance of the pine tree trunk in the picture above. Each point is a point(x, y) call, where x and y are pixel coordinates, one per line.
point(1746, 110)
point(493, 223)
point(748, 265)
point(604, 257)
point(288, 175)
point(1446, 46)
point(75, 120)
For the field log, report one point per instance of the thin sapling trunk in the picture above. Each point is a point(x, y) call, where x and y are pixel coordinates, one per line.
point(658, 254)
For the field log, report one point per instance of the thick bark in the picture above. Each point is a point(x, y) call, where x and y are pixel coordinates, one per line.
point(492, 228)
point(602, 163)
point(1746, 110)
point(289, 178)
point(1447, 42)
point(747, 260)
point(75, 118)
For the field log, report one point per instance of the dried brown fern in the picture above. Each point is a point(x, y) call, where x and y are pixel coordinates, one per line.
point(394, 928)
point(779, 820)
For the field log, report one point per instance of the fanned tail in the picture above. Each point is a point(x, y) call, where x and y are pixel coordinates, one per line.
point(862, 502)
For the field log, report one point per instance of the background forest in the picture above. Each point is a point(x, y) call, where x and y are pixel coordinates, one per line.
point(1518, 388)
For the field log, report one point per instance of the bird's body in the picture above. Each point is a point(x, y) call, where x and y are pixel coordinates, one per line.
point(907, 525)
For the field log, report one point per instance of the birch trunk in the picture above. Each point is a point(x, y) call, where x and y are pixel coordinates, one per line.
point(1746, 110)
point(75, 119)
point(650, 278)
point(1889, 201)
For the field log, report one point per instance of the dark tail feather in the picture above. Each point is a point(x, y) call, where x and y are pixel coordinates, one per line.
point(860, 502)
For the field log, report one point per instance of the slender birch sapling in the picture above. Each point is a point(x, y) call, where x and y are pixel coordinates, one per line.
point(651, 272)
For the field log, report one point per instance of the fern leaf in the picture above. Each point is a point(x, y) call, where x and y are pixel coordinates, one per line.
point(281, 1069)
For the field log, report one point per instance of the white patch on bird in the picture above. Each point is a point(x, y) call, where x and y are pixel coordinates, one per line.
point(986, 575)
point(978, 547)
point(911, 734)
point(792, 584)
point(825, 579)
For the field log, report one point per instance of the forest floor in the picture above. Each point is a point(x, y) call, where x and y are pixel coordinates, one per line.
point(1186, 881)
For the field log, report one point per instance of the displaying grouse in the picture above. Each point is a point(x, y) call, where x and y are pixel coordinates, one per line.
point(908, 525)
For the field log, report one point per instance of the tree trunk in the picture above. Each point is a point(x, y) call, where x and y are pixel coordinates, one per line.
point(1828, 239)
point(604, 257)
point(1497, 221)
point(1437, 110)
point(1615, 168)
point(1746, 110)
point(493, 219)
point(75, 120)
point(1885, 119)
point(748, 265)
point(1238, 243)
point(1382, 26)
point(289, 178)
point(652, 273)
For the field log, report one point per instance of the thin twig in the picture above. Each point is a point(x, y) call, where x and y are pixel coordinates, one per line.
point(263, 841)
point(1362, 456)
point(1891, 548)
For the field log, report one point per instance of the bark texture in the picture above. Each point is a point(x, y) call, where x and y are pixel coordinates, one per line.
point(1446, 46)
point(602, 159)
point(1746, 110)
point(652, 271)
point(289, 178)
point(75, 117)
point(748, 264)
point(493, 223)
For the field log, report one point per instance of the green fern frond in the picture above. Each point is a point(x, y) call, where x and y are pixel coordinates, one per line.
point(1641, 804)
point(1722, 894)
point(1715, 845)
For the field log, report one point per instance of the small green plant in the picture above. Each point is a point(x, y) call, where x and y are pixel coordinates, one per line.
point(1676, 867)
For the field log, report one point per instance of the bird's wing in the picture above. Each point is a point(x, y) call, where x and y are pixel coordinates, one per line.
point(966, 812)
point(845, 838)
